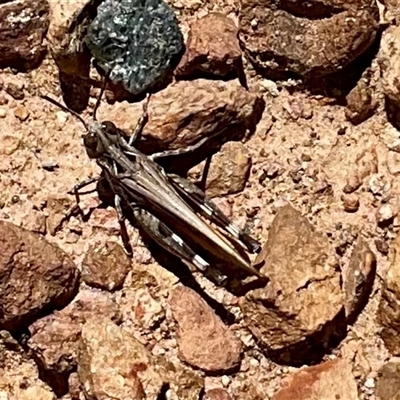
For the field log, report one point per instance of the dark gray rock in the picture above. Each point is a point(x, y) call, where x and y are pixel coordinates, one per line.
point(136, 41)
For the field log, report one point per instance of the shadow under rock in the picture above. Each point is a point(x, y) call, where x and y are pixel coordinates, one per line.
point(336, 85)
point(314, 347)
point(392, 112)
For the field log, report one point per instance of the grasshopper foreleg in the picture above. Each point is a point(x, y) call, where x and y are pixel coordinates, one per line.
point(141, 123)
point(76, 209)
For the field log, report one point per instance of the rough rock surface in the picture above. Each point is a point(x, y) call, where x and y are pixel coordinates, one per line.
point(199, 325)
point(388, 59)
point(112, 364)
point(105, 266)
point(55, 338)
point(178, 119)
point(281, 37)
point(217, 394)
point(139, 301)
point(229, 170)
point(136, 42)
point(360, 101)
point(321, 383)
point(212, 48)
point(388, 382)
point(389, 309)
point(302, 303)
point(184, 383)
point(19, 377)
point(35, 276)
point(24, 26)
point(65, 38)
point(64, 35)
point(358, 278)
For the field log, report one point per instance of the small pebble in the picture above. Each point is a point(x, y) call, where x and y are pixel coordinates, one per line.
point(385, 213)
point(225, 380)
point(15, 199)
point(353, 182)
point(15, 91)
point(351, 202)
point(3, 112)
point(3, 99)
point(50, 165)
point(382, 246)
point(21, 113)
point(61, 117)
point(369, 383)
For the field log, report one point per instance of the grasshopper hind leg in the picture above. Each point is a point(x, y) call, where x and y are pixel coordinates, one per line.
point(198, 200)
point(171, 242)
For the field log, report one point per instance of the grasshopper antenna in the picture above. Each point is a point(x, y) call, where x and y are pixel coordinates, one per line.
point(103, 88)
point(64, 108)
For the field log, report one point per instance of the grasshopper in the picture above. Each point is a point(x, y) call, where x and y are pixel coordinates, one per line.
point(172, 210)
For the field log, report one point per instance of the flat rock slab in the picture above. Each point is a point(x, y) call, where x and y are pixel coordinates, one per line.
point(35, 276)
point(331, 380)
point(302, 304)
point(297, 36)
point(388, 57)
point(389, 307)
point(203, 339)
point(113, 364)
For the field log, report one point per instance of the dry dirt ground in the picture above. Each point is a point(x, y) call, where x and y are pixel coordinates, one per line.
point(306, 137)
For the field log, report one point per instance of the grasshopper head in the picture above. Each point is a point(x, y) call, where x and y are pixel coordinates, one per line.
point(92, 140)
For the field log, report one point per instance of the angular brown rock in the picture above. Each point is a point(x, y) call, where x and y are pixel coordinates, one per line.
point(55, 338)
point(212, 48)
point(139, 303)
point(184, 382)
point(389, 307)
point(358, 278)
point(388, 56)
point(388, 382)
point(282, 39)
point(105, 266)
point(229, 170)
point(35, 276)
point(295, 315)
point(23, 27)
point(188, 111)
point(360, 102)
point(203, 339)
point(72, 58)
point(331, 380)
point(113, 364)
point(19, 377)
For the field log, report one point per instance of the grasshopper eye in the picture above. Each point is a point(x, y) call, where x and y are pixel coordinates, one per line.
point(109, 127)
point(89, 141)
